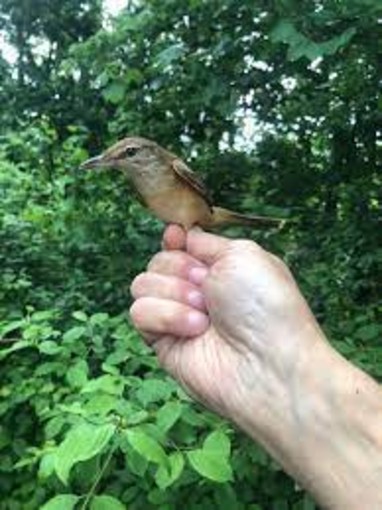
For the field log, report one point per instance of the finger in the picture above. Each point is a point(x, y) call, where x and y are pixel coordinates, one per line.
point(161, 344)
point(174, 238)
point(149, 338)
point(167, 287)
point(175, 263)
point(164, 317)
point(206, 247)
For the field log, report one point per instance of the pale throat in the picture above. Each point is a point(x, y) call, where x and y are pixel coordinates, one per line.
point(151, 178)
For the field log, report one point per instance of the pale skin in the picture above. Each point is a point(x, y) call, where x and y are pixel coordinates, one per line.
point(228, 321)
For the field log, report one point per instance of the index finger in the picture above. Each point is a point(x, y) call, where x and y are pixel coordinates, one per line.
point(206, 247)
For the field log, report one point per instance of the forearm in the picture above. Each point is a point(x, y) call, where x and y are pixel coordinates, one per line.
point(324, 426)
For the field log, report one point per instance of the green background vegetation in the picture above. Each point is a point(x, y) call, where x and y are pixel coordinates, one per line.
point(88, 420)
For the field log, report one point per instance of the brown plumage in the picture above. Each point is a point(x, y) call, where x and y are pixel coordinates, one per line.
point(168, 187)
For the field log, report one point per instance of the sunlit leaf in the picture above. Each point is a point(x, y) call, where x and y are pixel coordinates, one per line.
point(146, 446)
point(110, 384)
point(218, 441)
point(80, 316)
point(77, 374)
point(106, 502)
point(153, 390)
point(168, 415)
point(49, 348)
point(81, 443)
point(210, 465)
point(61, 502)
point(167, 475)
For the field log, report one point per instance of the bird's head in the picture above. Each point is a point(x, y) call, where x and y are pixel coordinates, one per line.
point(130, 154)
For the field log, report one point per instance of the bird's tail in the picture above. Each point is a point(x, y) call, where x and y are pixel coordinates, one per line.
point(225, 217)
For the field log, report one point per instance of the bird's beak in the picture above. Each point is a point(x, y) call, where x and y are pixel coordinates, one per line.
point(95, 162)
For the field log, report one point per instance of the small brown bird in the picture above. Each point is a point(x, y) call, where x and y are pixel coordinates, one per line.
point(171, 190)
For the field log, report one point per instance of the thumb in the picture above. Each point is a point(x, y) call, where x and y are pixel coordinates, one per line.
point(174, 238)
point(205, 247)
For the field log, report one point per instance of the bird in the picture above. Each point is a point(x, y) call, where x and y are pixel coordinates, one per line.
point(169, 188)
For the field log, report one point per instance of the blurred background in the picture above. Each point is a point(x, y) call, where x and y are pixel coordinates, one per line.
point(278, 105)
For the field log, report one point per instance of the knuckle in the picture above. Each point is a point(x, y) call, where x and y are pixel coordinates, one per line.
point(158, 260)
point(280, 264)
point(246, 246)
point(174, 263)
point(179, 290)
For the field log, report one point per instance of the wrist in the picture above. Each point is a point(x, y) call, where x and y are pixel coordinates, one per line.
point(324, 426)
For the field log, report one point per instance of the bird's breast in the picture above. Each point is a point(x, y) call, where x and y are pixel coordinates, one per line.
point(181, 206)
point(170, 198)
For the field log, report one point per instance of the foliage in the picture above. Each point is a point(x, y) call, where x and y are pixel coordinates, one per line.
point(278, 105)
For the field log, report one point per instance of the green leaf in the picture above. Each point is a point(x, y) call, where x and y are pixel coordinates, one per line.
point(211, 465)
point(301, 46)
point(80, 316)
point(110, 384)
point(7, 328)
point(81, 443)
point(17, 346)
point(74, 334)
point(168, 415)
point(77, 375)
point(106, 502)
point(212, 461)
point(154, 390)
point(101, 403)
point(99, 318)
point(135, 462)
point(49, 348)
point(46, 467)
point(159, 498)
point(333, 45)
point(117, 357)
point(103, 78)
point(146, 446)
point(61, 502)
point(369, 332)
point(226, 498)
point(166, 476)
point(54, 426)
point(137, 417)
point(285, 32)
point(115, 92)
point(5, 437)
point(169, 55)
point(218, 442)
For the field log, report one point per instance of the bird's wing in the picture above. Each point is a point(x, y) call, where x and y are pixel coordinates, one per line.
point(191, 178)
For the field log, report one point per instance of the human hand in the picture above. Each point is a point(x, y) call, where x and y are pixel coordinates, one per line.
point(229, 323)
point(226, 320)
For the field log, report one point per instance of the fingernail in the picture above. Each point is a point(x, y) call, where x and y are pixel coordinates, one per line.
point(197, 275)
point(196, 299)
point(198, 322)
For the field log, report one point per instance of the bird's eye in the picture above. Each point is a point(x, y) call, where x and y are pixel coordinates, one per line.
point(131, 152)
